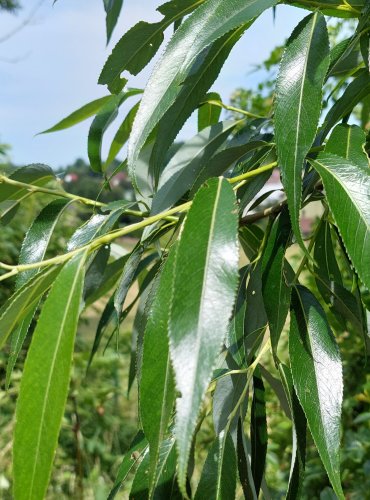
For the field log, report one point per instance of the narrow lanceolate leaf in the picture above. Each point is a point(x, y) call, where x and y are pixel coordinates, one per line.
point(209, 22)
point(122, 135)
point(80, 115)
point(208, 113)
point(356, 91)
point(326, 261)
point(202, 74)
point(276, 292)
point(131, 458)
point(298, 105)
point(45, 382)
point(138, 46)
point(112, 9)
point(347, 188)
point(348, 141)
point(204, 287)
point(218, 480)
point(298, 463)
point(157, 388)
point(258, 430)
point(101, 122)
point(33, 250)
point(188, 163)
point(317, 375)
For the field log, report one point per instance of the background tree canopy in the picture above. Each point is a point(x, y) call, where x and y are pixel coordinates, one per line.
point(221, 284)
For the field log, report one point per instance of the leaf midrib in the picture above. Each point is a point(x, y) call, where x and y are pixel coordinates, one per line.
point(329, 171)
point(75, 280)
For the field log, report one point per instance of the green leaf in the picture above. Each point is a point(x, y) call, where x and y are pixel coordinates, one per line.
point(122, 135)
point(126, 279)
point(113, 10)
point(138, 447)
point(299, 436)
point(298, 105)
point(258, 431)
point(208, 113)
point(244, 466)
point(33, 250)
point(80, 114)
point(210, 21)
point(222, 161)
point(157, 388)
point(44, 385)
point(276, 292)
point(204, 287)
point(188, 163)
point(202, 74)
point(101, 122)
point(317, 375)
point(356, 91)
point(35, 174)
point(218, 480)
point(347, 188)
point(229, 390)
point(236, 330)
point(23, 301)
point(111, 275)
point(349, 142)
point(326, 261)
point(138, 46)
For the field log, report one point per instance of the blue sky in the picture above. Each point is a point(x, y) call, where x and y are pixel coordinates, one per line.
point(50, 68)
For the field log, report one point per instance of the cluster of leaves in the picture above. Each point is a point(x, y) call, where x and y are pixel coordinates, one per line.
point(9, 5)
point(204, 325)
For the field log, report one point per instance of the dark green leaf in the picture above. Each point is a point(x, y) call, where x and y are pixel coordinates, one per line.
point(236, 330)
point(218, 480)
point(228, 391)
point(244, 466)
point(326, 262)
point(208, 113)
point(137, 47)
point(205, 280)
point(45, 381)
point(258, 430)
point(101, 122)
point(209, 22)
point(348, 141)
point(276, 292)
point(299, 436)
point(122, 135)
point(356, 91)
point(188, 163)
point(80, 115)
point(157, 388)
point(203, 72)
point(113, 9)
point(317, 375)
point(347, 189)
point(298, 105)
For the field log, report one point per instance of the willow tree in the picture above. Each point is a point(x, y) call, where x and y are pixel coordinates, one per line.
point(205, 327)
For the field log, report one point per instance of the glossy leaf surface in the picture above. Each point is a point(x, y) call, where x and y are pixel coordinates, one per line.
point(210, 21)
point(157, 388)
point(204, 287)
point(188, 163)
point(298, 104)
point(347, 188)
point(317, 374)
